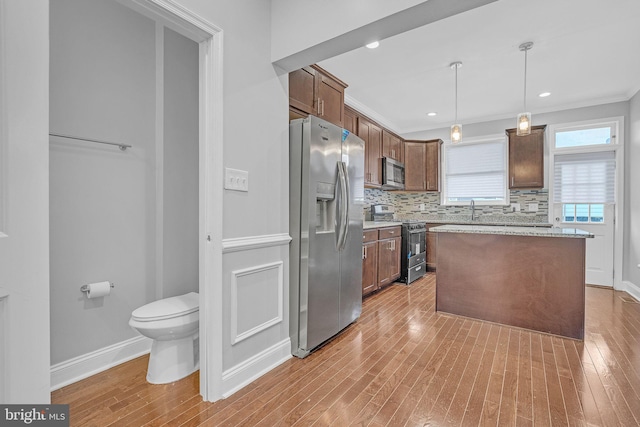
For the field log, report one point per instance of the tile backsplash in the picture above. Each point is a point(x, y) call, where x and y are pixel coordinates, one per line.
point(407, 206)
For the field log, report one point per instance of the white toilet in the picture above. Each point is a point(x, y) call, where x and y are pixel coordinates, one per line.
point(172, 324)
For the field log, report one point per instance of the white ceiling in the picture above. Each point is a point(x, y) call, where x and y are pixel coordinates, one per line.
point(586, 52)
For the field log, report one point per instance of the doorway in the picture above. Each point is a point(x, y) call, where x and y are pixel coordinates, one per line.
point(209, 152)
point(585, 190)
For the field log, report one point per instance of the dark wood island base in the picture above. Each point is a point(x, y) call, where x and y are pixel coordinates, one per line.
point(526, 281)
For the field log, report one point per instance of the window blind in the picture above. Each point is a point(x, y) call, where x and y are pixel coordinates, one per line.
point(475, 171)
point(585, 178)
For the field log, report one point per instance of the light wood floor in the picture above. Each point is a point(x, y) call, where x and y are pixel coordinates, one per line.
point(404, 364)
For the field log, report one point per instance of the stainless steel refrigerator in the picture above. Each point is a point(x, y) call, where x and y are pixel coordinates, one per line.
point(326, 196)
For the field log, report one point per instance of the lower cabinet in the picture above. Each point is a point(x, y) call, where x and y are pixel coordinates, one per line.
point(369, 261)
point(380, 258)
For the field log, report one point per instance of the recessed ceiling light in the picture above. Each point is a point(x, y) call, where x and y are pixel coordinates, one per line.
point(433, 113)
point(544, 94)
point(373, 45)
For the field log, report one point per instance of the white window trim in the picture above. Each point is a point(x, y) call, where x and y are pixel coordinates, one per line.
point(618, 147)
point(473, 141)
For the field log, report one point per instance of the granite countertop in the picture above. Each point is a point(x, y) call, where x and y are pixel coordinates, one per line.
point(379, 224)
point(514, 231)
point(489, 223)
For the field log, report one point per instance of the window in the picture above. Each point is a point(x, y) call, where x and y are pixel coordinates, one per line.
point(583, 213)
point(475, 170)
point(584, 177)
point(586, 136)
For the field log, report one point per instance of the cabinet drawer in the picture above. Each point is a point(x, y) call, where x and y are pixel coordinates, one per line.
point(369, 236)
point(388, 233)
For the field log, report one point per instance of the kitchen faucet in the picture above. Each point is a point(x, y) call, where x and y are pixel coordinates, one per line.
point(473, 210)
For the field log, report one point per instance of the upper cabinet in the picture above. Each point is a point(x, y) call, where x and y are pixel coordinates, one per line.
point(371, 134)
point(526, 158)
point(392, 146)
point(350, 120)
point(315, 91)
point(422, 165)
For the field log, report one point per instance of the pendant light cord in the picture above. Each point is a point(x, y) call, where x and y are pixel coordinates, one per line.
point(526, 51)
point(456, 98)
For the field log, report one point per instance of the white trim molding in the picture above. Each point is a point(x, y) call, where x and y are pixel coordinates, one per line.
point(243, 373)
point(86, 365)
point(211, 66)
point(254, 242)
point(4, 296)
point(237, 336)
point(630, 288)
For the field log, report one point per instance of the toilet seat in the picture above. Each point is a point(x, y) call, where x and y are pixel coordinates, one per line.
point(167, 308)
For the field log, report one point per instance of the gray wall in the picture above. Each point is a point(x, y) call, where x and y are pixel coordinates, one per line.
point(180, 166)
point(632, 236)
point(104, 216)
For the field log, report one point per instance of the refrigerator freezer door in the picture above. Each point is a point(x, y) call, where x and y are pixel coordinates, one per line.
point(319, 304)
point(351, 255)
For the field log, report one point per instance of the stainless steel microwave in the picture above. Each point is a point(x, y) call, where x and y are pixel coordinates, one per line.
point(392, 174)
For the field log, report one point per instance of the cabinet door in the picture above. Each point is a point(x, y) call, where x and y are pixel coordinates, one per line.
point(394, 267)
point(350, 120)
point(302, 88)
point(414, 166)
point(330, 102)
point(369, 267)
point(371, 134)
point(388, 260)
point(391, 146)
point(432, 166)
point(526, 158)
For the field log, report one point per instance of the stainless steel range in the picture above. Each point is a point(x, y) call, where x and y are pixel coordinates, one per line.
point(413, 255)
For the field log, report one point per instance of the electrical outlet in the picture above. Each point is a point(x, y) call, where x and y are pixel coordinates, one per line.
point(235, 179)
point(533, 207)
point(515, 207)
point(422, 206)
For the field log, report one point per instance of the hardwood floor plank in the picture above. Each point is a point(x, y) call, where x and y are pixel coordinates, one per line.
point(402, 363)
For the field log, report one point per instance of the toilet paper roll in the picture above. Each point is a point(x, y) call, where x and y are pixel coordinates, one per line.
point(97, 290)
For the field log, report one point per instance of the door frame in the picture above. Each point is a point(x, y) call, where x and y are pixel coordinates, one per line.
point(210, 41)
point(618, 148)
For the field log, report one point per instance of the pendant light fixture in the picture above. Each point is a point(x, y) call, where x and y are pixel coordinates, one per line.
point(456, 128)
point(523, 125)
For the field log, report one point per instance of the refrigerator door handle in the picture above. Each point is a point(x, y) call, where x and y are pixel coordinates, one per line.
point(342, 207)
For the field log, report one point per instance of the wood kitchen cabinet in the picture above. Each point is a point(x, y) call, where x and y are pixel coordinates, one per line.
point(392, 146)
point(369, 261)
point(371, 134)
point(422, 165)
point(526, 158)
point(313, 90)
point(389, 241)
point(380, 258)
point(350, 120)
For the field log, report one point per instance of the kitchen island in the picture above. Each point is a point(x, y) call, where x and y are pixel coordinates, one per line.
point(527, 277)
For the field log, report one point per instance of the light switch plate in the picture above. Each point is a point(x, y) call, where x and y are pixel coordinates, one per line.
point(533, 207)
point(235, 179)
point(515, 207)
point(422, 206)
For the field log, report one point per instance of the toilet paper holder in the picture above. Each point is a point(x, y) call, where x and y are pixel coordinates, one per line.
point(85, 288)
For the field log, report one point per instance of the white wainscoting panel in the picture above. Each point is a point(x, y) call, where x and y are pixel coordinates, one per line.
point(253, 368)
point(256, 299)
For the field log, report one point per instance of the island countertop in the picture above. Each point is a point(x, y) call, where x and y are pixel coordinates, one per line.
point(514, 231)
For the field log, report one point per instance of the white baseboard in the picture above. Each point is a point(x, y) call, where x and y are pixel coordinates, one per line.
point(81, 367)
point(253, 368)
point(631, 289)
